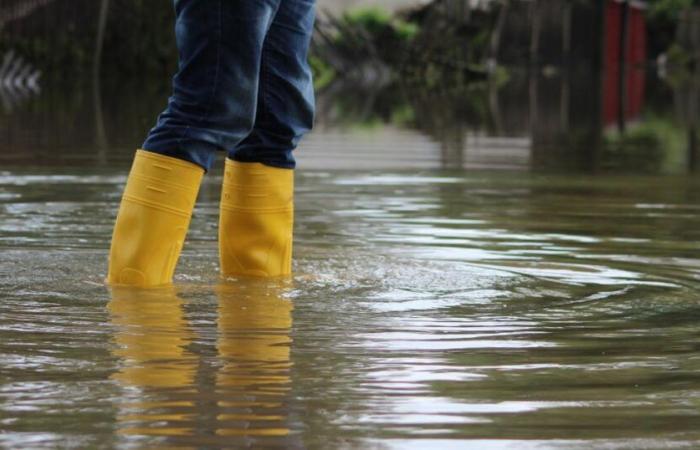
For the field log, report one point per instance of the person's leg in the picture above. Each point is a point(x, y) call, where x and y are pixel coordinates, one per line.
point(286, 97)
point(214, 98)
point(212, 107)
point(257, 207)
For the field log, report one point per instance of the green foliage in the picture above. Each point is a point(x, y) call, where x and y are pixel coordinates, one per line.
point(379, 22)
point(654, 146)
point(638, 151)
point(406, 30)
point(672, 140)
point(667, 10)
point(365, 33)
point(324, 74)
point(678, 56)
point(663, 17)
point(371, 19)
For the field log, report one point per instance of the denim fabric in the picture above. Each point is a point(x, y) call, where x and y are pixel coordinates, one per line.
point(243, 84)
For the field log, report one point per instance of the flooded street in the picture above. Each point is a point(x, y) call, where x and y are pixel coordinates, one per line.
point(472, 284)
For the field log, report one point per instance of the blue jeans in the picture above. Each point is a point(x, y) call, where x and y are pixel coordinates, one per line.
point(243, 84)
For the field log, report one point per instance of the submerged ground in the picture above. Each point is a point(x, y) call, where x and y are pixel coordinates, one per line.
point(450, 291)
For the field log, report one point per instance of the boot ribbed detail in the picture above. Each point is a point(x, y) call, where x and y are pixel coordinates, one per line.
point(256, 220)
point(153, 220)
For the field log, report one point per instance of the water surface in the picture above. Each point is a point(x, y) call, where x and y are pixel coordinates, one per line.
point(429, 309)
point(501, 267)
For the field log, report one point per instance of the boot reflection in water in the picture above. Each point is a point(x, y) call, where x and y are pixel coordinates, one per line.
point(254, 323)
point(244, 87)
point(152, 336)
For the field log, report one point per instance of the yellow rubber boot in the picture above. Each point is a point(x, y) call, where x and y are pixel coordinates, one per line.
point(153, 220)
point(256, 221)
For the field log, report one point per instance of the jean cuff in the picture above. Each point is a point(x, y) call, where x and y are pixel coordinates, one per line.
point(200, 153)
point(282, 160)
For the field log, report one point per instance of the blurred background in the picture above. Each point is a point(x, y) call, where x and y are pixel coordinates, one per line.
point(545, 85)
point(496, 236)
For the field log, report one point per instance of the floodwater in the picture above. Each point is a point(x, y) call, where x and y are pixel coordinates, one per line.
point(451, 291)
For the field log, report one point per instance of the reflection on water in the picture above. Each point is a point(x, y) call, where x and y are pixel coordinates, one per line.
point(547, 120)
point(430, 309)
point(550, 305)
point(254, 326)
point(153, 337)
point(238, 387)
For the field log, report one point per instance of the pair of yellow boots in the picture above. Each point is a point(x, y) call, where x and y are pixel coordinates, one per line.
point(255, 224)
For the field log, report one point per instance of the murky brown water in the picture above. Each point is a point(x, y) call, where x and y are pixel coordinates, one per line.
point(429, 309)
point(439, 300)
